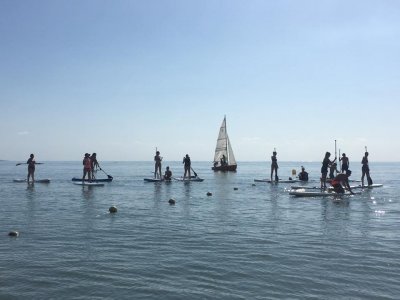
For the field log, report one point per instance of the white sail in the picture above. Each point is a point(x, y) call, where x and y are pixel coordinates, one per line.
point(223, 147)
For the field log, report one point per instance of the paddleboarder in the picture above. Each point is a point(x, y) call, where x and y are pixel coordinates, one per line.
point(303, 175)
point(157, 165)
point(167, 174)
point(345, 163)
point(31, 168)
point(274, 166)
point(87, 167)
point(187, 165)
point(365, 170)
point(94, 164)
point(324, 169)
point(342, 178)
point(332, 170)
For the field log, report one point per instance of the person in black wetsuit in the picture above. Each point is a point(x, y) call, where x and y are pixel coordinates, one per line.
point(303, 175)
point(345, 163)
point(186, 164)
point(274, 166)
point(324, 169)
point(365, 170)
point(31, 168)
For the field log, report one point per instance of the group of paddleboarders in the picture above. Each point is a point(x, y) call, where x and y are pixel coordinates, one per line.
point(187, 164)
point(90, 166)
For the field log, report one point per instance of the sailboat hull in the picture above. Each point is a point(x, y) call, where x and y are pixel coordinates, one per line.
point(228, 168)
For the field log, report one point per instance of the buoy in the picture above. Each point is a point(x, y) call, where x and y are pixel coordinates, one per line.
point(253, 184)
point(235, 188)
point(112, 209)
point(209, 194)
point(171, 201)
point(13, 233)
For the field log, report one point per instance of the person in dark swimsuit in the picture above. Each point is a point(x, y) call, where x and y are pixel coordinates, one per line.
point(186, 164)
point(365, 170)
point(332, 170)
point(274, 166)
point(94, 165)
point(324, 169)
point(341, 178)
point(345, 163)
point(167, 174)
point(157, 165)
point(31, 168)
point(303, 175)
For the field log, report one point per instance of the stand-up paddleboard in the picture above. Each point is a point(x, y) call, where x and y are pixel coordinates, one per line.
point(88, 183)
point(36, 180)
point(273, 181)
point(305, 193)
point(156, 180)
point(93, 180)
point(300, 187)
point(188, 179)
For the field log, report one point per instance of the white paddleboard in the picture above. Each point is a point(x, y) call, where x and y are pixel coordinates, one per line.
point(273, 181)
point(188, 179)
point(36, 181)
point(88, 183)
point(304, 193)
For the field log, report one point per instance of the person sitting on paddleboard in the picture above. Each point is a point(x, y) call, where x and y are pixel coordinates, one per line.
point(303, 175)
point(274, 166)
point(87, 167)
point(345, 163)
point(324, 169)
point(365, 170)
point(157, 165)
point(94, 164)
point(167, 174)
point(187, 164)
point(338, 180)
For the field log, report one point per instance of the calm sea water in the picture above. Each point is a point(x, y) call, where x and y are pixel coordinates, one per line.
point(256, 242)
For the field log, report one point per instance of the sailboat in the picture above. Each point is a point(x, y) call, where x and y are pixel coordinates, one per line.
point(224, 160)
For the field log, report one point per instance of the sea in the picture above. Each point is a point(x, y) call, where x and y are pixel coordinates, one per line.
point(247, 240)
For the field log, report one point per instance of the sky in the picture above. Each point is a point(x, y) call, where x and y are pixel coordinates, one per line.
point(122, 78)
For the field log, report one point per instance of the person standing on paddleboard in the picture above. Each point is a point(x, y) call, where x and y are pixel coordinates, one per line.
point(186, 165)
point(157, 165)
point(87, 167)
point(324, 169)
point(94, 165)
point(365, 170)
point(345, 163)
point(338, 180)
point(31, 168)
point(274, 166)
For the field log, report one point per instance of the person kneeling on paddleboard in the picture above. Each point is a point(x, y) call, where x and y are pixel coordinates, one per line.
point(167, 174)
point(338, 180)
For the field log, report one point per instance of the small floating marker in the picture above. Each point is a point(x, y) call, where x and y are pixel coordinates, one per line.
point(235, 189)
point(171, 201)
point(209, 194)
point(253, 184)
point(112, 209)
point(13, 233)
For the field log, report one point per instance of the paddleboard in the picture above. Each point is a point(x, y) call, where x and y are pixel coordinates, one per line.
point(156, 180)
point(273, 181)
point(299, 187)
point(304, 193)
point(189, 180)
point(94, 180)
point(36, 181)
point(88, 183)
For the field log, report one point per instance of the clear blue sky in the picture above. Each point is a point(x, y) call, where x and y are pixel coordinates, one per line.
point(122, 77)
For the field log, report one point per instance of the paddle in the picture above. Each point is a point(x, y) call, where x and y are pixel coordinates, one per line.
point(18, 164)
point(195, 174)
point(109, 176)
